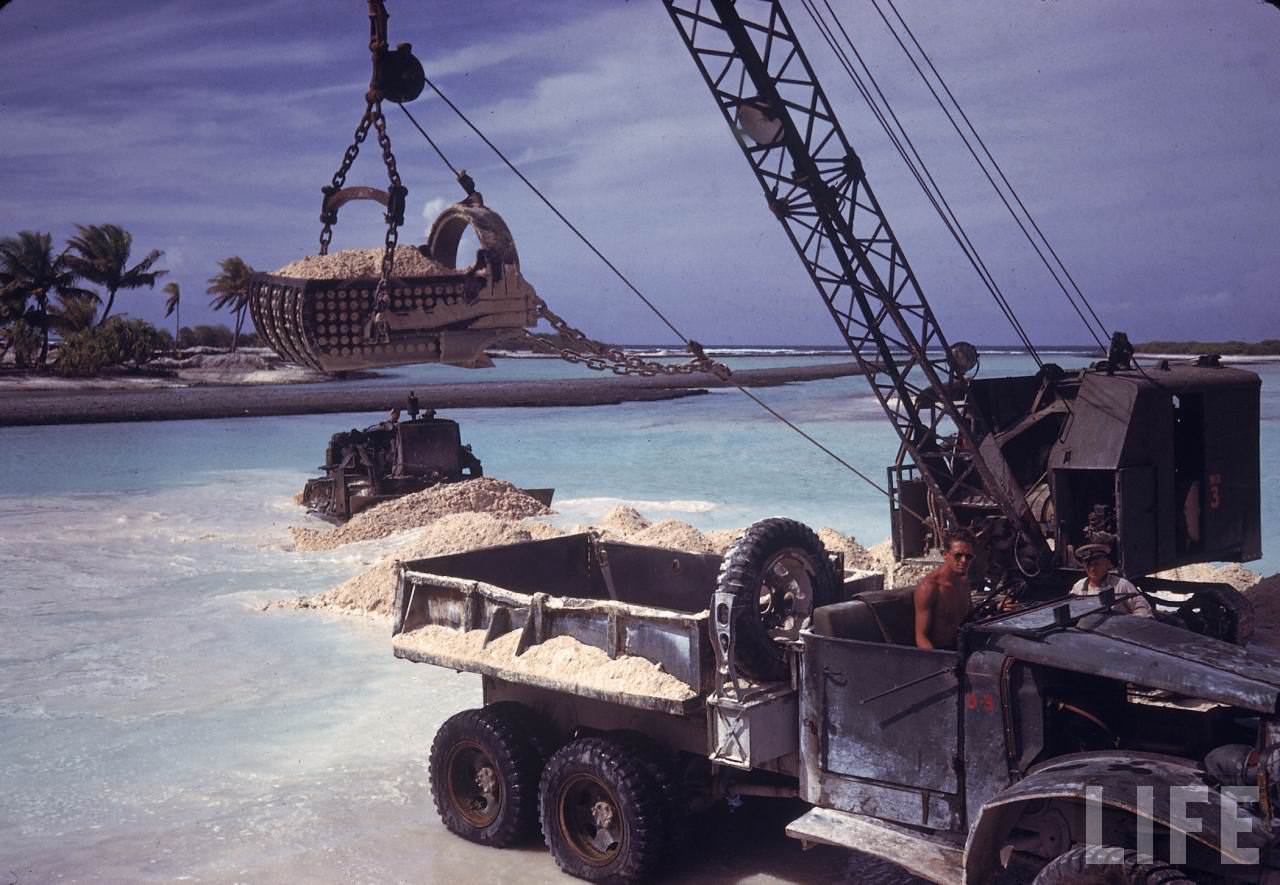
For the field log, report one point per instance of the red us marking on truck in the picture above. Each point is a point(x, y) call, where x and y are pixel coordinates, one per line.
point(980, 700)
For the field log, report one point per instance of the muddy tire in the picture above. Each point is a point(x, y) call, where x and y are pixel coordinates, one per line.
point(533, 726)
point(603, 815)
point(484, 776)
point(778, 573)
point(662, 769)
point(1097, 865)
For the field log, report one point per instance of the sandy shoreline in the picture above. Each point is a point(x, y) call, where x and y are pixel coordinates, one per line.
point(82, 405)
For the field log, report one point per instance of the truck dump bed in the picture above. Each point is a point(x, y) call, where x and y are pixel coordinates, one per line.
point(615, 622)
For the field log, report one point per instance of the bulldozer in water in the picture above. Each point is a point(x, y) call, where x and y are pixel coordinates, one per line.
point(390, 459)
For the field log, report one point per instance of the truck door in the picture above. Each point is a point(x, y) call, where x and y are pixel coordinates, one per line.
point(881, 724)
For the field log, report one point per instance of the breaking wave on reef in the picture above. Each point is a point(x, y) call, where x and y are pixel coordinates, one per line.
point(607, 503)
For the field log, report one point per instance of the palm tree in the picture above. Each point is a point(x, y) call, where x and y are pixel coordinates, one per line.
point(75, 312)
point(29, 275)
point(102, 257)
point(230, 288)
point(173, 305)
point(12, 308)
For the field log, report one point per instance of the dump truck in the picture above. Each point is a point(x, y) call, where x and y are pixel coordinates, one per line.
point(613, 709)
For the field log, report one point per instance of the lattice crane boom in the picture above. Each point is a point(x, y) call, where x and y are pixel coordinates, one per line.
point(815, 185)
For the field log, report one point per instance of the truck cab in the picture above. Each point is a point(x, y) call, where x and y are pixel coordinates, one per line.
point(993, 749)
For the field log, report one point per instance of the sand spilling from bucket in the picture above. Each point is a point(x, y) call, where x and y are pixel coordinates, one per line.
point(561, 659)
point(485, 495)
point(353, 263)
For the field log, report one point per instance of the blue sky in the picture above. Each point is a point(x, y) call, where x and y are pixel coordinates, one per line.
point(1142, 133)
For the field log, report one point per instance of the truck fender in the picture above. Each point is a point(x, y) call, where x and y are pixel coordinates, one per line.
point(1120, 775)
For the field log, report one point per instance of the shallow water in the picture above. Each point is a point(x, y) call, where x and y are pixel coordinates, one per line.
point(156, 725)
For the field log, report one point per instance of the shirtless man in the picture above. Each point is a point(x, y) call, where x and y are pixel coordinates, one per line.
point(942, 597)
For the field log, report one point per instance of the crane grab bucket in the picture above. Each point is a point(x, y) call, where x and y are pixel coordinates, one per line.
point(313, 313)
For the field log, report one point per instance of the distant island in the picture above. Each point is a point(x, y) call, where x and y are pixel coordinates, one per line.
point(1267, 347)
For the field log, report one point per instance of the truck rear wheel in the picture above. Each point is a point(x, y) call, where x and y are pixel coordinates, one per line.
point(671, 787)
point(779, 572)
point(602, 812)
point(1097, 865)
point(484, 776)
point(533, 725)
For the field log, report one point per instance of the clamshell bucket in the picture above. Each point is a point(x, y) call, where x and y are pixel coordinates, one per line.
point(449, 316)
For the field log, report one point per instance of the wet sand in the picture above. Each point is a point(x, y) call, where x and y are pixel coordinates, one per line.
point(90, 406)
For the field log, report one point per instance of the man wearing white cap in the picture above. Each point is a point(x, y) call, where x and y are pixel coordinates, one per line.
point(1098, 577)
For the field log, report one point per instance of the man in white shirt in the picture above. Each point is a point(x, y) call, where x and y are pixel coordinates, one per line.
point(1098, 577)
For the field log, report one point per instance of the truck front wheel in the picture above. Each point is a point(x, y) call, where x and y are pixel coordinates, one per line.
point(602, 812)
point(484, 776)
point(1097, 865)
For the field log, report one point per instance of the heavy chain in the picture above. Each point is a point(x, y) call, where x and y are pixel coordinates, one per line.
point(373, 117)
point(377, 325)
point(340, 177)
point(600, 357)
point(395, 217)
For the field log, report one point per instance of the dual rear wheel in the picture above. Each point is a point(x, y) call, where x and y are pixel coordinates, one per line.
point(484, 768)
point(603, 814)
point(605, 804)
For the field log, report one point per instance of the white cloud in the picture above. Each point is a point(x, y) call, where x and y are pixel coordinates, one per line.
point(431, 209)
point(1148, 159)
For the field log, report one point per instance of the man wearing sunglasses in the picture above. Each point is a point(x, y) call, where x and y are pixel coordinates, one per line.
point(942, 597)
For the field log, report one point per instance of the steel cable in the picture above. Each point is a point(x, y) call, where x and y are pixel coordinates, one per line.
point(435, 147)
point(919, 170)
point(995, 165)
point(683, 338)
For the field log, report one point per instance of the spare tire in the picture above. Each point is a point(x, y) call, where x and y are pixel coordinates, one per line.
point(778, 573)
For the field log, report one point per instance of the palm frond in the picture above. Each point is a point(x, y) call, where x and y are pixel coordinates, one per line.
point(75, 312)
point(141, 274)
point(175, 296)
point(100, 253)
point(230, 286)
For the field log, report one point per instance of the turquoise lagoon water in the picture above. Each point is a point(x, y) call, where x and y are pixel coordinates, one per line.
point(157, 725)
point(716, 460)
